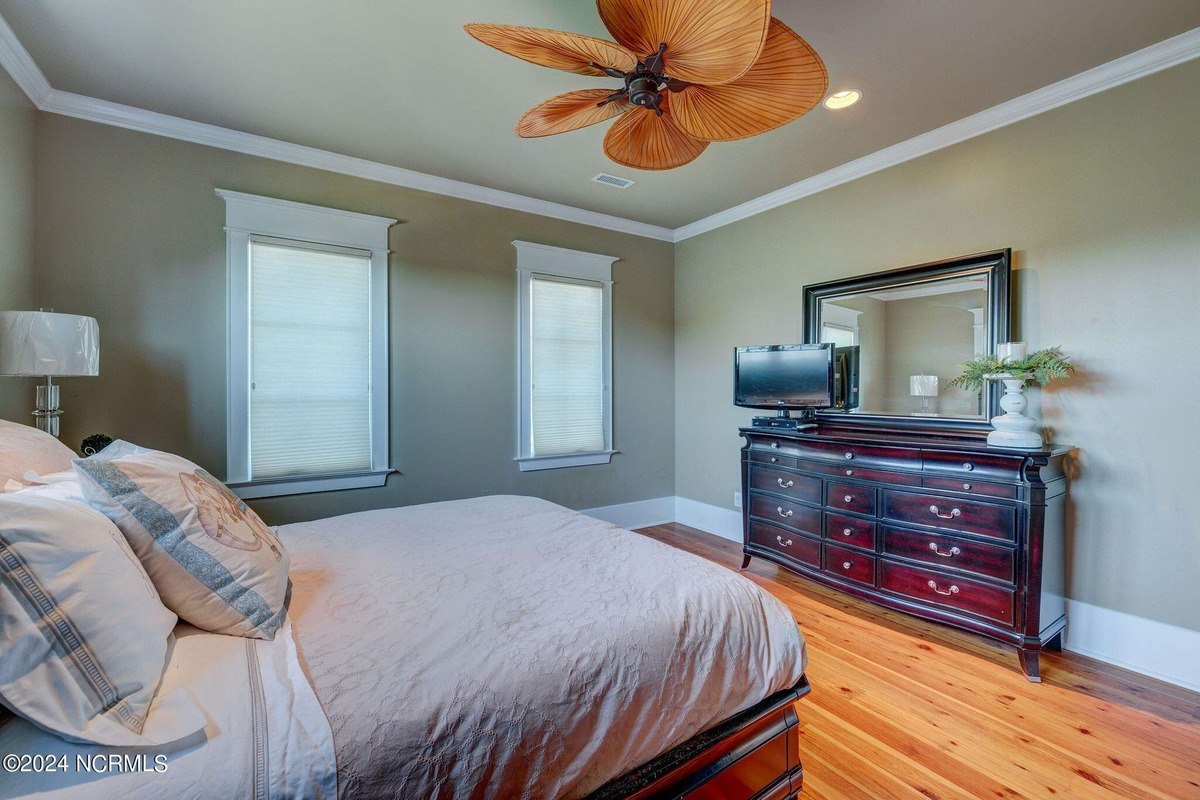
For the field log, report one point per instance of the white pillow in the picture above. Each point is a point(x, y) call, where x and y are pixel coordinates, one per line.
point(24, 449)
point(213, 561)
point(84, 635)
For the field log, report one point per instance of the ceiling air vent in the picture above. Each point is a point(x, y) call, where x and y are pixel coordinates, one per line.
point(613, 180)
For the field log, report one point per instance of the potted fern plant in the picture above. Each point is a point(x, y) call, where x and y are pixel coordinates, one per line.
point(1015, 370)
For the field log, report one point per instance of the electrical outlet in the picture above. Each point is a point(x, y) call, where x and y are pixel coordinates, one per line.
point(737, 499)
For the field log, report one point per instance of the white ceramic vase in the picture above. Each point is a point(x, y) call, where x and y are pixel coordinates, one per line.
point(1013, 429)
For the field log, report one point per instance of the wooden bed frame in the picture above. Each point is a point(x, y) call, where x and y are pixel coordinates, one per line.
point(752, 756)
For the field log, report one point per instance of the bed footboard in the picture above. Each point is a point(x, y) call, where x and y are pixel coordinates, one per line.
point(753, 756)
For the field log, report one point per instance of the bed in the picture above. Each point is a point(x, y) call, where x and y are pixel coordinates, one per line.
point(498, 647)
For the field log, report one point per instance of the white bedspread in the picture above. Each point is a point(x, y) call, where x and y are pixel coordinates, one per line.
point(506, 647)
point(501, 647)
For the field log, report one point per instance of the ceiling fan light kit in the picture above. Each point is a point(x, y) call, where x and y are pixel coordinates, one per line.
point(693, 72)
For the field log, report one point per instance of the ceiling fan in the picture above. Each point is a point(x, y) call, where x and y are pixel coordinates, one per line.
point(694, 72)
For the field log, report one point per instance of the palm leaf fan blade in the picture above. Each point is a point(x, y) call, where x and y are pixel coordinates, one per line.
point(708, 43)
point(571, 52)
point(644, 140)
point(569, 112)
point(788, 80)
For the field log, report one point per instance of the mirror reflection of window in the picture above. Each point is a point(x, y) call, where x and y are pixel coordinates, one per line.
point(840, 336)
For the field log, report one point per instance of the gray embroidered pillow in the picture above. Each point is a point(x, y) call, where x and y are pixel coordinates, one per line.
point(212, 559)
point(83, 635)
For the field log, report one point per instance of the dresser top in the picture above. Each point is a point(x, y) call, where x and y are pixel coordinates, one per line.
point(916, 442)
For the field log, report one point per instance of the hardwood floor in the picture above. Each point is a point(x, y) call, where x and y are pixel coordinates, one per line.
point(906, 709)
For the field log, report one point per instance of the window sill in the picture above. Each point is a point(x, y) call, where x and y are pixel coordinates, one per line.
point(309, 484)
point(534, 463)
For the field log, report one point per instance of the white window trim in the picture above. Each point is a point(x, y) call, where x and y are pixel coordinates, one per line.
point(557, 262)
point(250, 216)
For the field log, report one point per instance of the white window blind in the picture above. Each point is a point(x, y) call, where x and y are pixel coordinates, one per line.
point(310, 360)
point(567, 366)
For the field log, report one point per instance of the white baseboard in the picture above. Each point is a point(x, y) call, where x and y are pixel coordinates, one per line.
point(1162, 651)
point(723, 522)
point(1166, 652)
point(640, 514)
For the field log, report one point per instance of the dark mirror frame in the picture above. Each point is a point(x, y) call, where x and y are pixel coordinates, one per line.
point(998, 265)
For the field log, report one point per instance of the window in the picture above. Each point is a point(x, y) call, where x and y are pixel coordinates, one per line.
point(839, 324)
point(564, 357)
point(839, 335)
point(308, 381)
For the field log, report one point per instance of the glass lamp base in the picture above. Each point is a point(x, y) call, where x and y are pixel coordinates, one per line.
point(46, 410)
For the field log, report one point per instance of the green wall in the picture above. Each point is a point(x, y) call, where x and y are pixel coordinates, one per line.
point(1100, 201)
point(131, 232)
point(18, 127)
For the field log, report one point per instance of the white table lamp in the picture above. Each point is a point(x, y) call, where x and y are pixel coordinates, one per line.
point(41, 344)
point(924, 387)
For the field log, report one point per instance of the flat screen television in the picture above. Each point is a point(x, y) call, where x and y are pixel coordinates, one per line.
point(845, 378)
point(784, 376)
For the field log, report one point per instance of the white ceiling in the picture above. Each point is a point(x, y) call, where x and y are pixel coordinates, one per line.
point(398, 82)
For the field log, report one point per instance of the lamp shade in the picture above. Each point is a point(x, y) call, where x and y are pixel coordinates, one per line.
point(40, 344)
point(923, 385)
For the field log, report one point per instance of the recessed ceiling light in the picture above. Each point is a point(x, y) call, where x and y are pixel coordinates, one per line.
point(843, 99)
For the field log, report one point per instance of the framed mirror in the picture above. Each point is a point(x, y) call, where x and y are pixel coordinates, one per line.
point(902, 335)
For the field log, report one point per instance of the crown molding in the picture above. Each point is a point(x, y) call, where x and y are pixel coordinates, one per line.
point(1155, 58)
point(17, 61)
point(122, 116)
point(1139, 64)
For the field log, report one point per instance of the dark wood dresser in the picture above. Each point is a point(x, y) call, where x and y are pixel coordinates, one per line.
point(943, 528)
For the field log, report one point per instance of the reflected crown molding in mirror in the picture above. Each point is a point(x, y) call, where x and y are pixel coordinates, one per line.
point(920, 320)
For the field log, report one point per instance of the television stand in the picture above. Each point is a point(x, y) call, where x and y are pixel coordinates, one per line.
point(784, 420)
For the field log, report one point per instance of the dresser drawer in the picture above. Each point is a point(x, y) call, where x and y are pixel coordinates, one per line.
point(790, 484)
point(974, 465)
point(791, 544)
point(782, 512)
point(772, 457)
point(858, 473)
point(848, 530)
point(971, 516)
point(778, 447)
point(859, 455)
point(850, 497)
point(950, 552)
point(952, 591)
point(850, 564)
point(968, 485)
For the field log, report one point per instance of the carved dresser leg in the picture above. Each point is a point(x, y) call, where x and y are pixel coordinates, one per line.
point(746, 560)
point(1030, 663)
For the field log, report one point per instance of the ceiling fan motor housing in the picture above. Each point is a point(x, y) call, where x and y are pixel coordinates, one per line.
point(644, 91)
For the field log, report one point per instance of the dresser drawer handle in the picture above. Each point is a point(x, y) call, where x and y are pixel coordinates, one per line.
point(848, 498)
point(966, 486)
point(787, 485)
point(849, 455)
point(785, 514)
point(775, 460)
point(847, 531)
point(849, 472)
point(954, 512)
point(968, 466)
point(845, 565)
point(788, 543)
point(954, 551)
point(775, 445)
point(953, 589)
